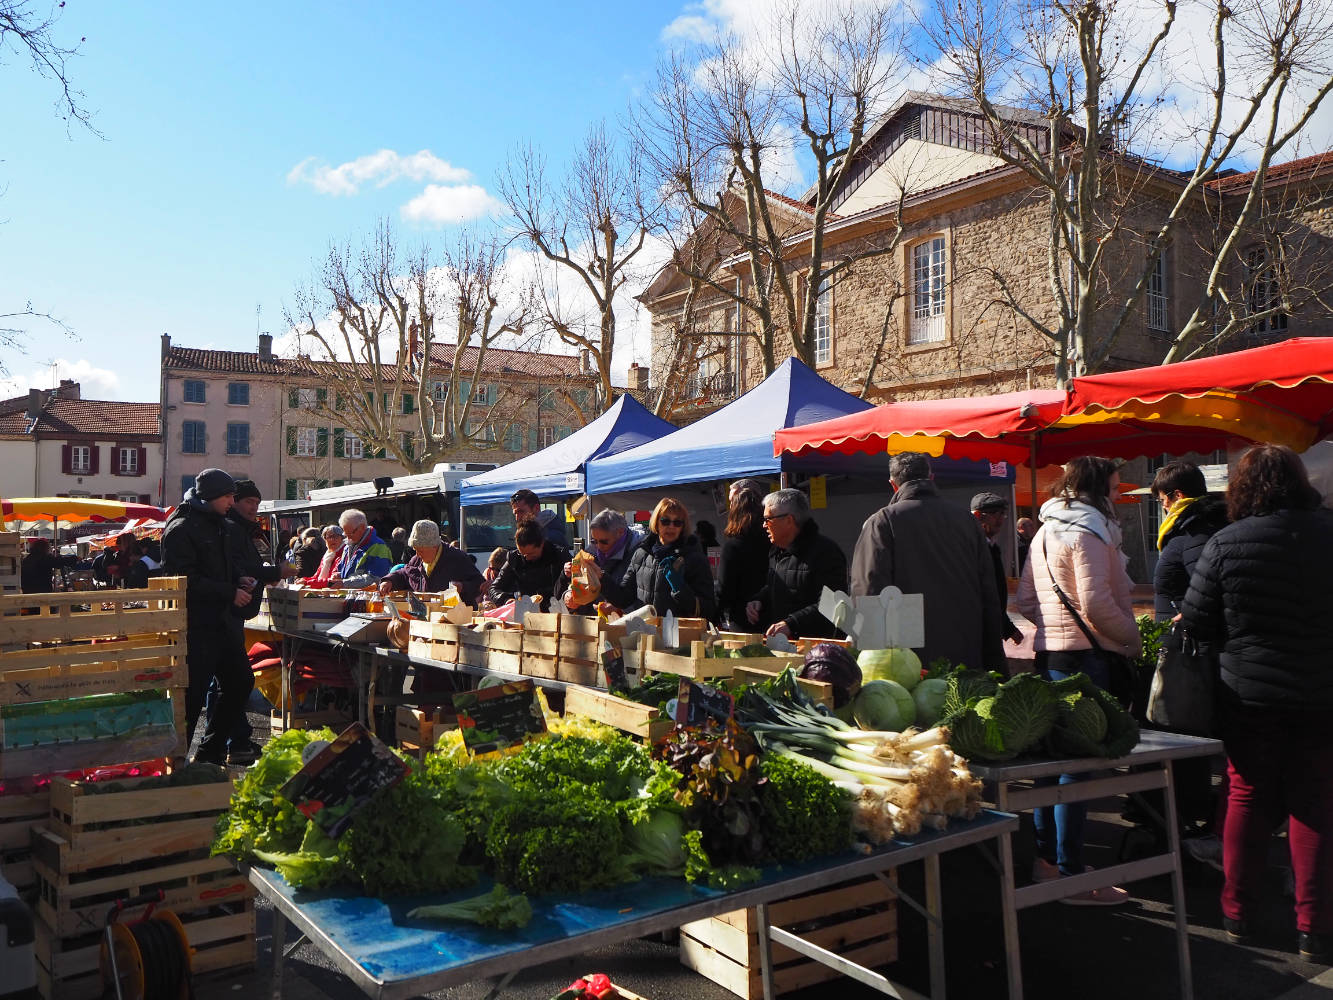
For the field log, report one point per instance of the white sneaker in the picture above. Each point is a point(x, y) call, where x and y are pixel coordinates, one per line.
point(1207, 850)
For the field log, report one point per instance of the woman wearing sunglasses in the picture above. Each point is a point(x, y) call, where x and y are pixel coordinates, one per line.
point(669, 570)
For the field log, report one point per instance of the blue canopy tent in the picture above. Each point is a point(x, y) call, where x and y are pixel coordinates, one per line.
point(735, 441)
point(559, 469)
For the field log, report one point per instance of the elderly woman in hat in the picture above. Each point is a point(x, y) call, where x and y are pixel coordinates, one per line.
point(435, 567)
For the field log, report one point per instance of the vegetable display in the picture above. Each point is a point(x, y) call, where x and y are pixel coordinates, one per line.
point(900, 665)
point(832, 664)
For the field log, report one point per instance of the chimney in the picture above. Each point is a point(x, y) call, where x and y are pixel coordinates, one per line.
point(69, 389)
point(266, 347)
point(638, 378)
point(36, 399)
point(413, 340)
point(585, 362)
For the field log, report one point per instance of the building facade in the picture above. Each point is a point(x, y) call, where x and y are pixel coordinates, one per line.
point(286, 423)
point(952, 307)
point(55, 443)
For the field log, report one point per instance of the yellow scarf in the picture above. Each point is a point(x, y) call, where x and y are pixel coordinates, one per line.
point(429, 566)
point(1172, 516)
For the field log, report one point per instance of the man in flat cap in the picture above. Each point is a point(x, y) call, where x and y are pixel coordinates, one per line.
point(990, 510)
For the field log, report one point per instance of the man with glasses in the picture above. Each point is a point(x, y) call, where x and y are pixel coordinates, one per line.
point(527, 506)
point(365, 558)
point(989, 511)
point(801, 563)
point(612, 541)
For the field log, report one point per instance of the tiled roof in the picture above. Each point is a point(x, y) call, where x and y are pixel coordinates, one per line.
point(103, 417)
point(1306, 168)
point(236, 362)
point(499, 361)
point(794, 203)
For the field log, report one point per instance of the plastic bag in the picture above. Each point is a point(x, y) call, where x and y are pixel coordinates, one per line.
point(585, 579)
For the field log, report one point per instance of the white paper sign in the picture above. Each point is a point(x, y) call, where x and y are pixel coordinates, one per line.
point(670, 631)
point(887, 620)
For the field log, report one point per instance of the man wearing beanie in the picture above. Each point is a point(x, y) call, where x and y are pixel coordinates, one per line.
point(198, 544)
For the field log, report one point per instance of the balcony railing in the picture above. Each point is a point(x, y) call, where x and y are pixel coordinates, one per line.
point(711, 388)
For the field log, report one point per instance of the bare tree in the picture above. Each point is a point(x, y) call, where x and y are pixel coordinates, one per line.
point(590, 228)
point(715, 125)
point(27, 31)
point(1095, 72)
point(371, 319)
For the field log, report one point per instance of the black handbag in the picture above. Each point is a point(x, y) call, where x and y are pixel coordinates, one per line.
point(1121, 678)
point(1181, 696)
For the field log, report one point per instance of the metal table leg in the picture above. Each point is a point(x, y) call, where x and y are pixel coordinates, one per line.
point(279, 959)
point(765, 950)
point(1178, 887)
point(934, 931)
point(1013, 959)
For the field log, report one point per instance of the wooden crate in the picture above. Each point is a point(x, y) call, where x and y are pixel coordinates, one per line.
point(77, 617)
point(644, 721)
point(541, 653)
point(503, 649)
point(820, 692)
point(336, 719)
point(856, 920)
point(433, 641)
point(55, 755)
point(11, 555)
point(418, 729)
point(87, 830)
point(690, 629)
point(73, 909)
point(49, 672)
point(221, 936)
point(294, 609)
point(697, 665)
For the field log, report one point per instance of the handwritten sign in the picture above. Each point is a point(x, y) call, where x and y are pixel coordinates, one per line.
point(695, 703)
point(497, 717)
point(342, 778)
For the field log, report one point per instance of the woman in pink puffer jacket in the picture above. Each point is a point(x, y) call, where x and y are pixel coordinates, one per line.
point(1077, 552)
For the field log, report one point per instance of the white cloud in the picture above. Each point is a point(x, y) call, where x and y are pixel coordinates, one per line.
point(380, 168)
point(94, 382)
point(442, 204)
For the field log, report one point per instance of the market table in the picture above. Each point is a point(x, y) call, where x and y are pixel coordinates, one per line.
point(387, 955)
point(1009, 787)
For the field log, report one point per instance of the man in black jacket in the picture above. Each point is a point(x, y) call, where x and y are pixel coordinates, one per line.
point(801, 563)
point(197, 544)
point(533, 567)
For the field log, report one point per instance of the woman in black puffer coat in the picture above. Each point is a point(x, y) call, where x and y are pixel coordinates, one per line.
point(669, 570)
point(1192, 516)
point(1262, 590)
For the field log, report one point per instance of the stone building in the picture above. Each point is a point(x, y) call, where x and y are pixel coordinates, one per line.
point(285, 422)
point(928, 317)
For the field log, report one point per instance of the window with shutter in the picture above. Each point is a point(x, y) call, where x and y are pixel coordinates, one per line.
point(338, 439)
point(291, 445)
point(66, 459)
point(194, 390)
point(409, 404)
point(293, 402)
point(532, 439)
point(290, 490)
point(95, 454)
point(238, 439)
point(143, 461)
point(514, 437)
point(322, 442)
point(339, 401)
point(307, 441)
point(353, 446)
point(322, 398)
point(80, 460)
point(193, 437)
point(238, 393)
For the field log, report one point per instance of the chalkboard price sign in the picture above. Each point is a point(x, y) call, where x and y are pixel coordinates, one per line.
point(497, 717)
point(695, 703)
point(342, 778)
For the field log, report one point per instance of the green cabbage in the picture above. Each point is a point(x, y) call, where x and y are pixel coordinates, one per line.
point(900, 665)
point(993, 722)
point(929, 696)
point(1075, 733)
point(884, 705)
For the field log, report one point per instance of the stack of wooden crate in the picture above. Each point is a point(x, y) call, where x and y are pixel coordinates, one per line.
point(11, 555)
point(78, 852)
point(296, 609)
point(857, 921)
point(562, 647)
point(123, 839)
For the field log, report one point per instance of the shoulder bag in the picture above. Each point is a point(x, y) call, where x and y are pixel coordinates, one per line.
point(1181, 696)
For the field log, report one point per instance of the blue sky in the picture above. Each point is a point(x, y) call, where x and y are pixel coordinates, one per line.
point(183, 220)
point(237, 148)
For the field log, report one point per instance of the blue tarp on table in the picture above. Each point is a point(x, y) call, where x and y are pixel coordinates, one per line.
point(558, 469)
point(735, 441)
